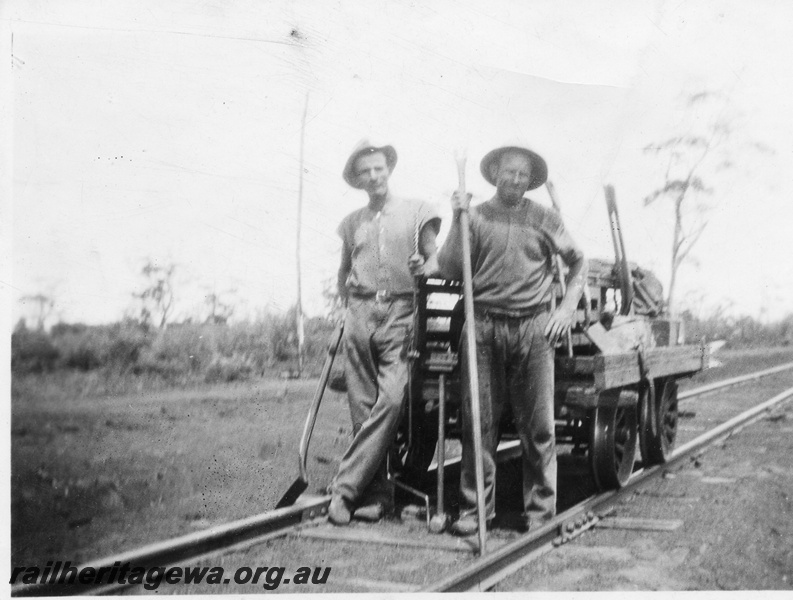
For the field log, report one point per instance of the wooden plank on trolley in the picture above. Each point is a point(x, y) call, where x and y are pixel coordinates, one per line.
point(368, 536)
point(617, 370)
point(674, 360)
point(636, 524)
point(578, 365)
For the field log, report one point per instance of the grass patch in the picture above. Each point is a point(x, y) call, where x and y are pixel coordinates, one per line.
point(97, 475)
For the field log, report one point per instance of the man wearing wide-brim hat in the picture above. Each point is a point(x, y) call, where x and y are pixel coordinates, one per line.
point(386, 245)
point(513, 243)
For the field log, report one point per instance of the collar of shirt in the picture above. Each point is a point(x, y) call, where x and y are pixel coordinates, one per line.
point(499, 204)
point(387, 207)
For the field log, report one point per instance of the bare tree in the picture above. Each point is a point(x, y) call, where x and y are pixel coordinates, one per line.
point(157, 297)
point(688, 158)
point(220, 311)
point(44, 306)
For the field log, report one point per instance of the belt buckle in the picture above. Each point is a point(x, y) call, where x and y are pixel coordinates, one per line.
point(381, 296)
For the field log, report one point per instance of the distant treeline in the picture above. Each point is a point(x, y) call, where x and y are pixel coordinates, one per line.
point(179, 353)
point(739, 332)
point(191, 352)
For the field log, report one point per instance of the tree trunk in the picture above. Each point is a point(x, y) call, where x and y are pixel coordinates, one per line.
point(676, 243)
point(299, 312)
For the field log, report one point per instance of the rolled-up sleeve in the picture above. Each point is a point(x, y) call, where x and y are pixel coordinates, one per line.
point(429, 216)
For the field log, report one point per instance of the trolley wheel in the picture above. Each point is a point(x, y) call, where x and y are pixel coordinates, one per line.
point(612, 444)
point(658, 430)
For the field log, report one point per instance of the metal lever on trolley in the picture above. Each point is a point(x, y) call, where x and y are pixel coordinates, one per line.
point(626, 281)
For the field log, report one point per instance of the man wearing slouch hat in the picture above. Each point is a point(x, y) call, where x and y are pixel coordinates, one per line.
point(385, 246)
point(513, 243)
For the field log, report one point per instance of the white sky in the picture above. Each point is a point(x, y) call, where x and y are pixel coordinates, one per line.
point(171, 130)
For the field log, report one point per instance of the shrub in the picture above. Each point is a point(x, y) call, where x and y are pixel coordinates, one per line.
point(126, 344)
point(250, 339)
point(226, 369)
point(81, 355)
point(738, 331)
point(61, 329)
point(176, 352)
point(80, 347)
point(86, 348)
point(32, 352)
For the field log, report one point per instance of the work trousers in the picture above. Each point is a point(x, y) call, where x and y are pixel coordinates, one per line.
point(515, 366)
point(375, 341)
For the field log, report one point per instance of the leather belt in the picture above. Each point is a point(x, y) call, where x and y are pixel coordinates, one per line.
point(523, 313)
point(383, 295)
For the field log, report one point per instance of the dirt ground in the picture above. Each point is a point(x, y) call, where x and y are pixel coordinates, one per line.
point(96, 476)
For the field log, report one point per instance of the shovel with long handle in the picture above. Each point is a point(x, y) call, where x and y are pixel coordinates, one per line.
point(473, 373)
point(301, 483)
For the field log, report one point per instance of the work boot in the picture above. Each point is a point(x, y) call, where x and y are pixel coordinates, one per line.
point(339, 510)
point(519, 523)
point(535, 524)
point(467, 525)
point(370, 512)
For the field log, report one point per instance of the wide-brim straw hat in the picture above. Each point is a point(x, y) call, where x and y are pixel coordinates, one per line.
point(539, 168)
point(367, 147)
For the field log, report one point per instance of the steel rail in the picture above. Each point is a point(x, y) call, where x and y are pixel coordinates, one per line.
point(177, 551)
point(279, 522)
point(485, 572)
point(732, 381)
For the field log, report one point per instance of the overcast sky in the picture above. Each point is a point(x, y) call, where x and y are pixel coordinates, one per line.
point(171, 131)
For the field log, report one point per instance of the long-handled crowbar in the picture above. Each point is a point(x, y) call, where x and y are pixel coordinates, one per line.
point(301, 483)
point(473, 373)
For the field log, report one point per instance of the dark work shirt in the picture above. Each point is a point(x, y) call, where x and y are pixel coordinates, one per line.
point(512, 252)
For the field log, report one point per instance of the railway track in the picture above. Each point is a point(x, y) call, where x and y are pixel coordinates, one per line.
point(486, 571)
point(300, 522)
